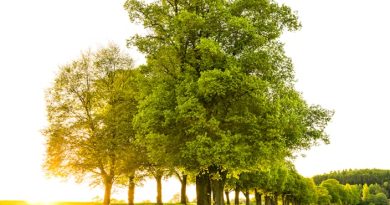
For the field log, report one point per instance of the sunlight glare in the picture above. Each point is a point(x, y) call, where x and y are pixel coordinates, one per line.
point(40, 203)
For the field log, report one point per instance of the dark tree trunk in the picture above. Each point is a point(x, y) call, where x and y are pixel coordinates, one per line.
point(218, 187)
point(276, 196)
point(247, 200)
point(284, 199)
point(130, 193)
point(203, 189)
point(237, 196)
point(159, 188)
point(183, 193)
point(213, 193)
point(107, 190)
point(294, 201)
point(268, 200)
point(227, 197)
point(257, 197)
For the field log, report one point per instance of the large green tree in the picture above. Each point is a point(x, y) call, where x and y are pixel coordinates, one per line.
point(90, 107)
point(221, 93)
point(336, 191)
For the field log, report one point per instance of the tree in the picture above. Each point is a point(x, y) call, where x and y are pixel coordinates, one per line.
point(182, 176)
point(377, 199)
point(365, 192)
point(376, 189)
point(323, 196)
point(308, 192)
point(222, 95)
point(88, 130)
point(119, 116)
point(352, 193)
point(356, 176)
point(335, 190)
point(299, 190)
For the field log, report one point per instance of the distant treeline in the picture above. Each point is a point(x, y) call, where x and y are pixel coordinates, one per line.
point(356, 176)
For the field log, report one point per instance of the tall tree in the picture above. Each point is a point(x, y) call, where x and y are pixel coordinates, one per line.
point(88, 118)
point(223, 97)
point(182, 176)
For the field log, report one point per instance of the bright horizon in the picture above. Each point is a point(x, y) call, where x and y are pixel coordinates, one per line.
point(340, 59)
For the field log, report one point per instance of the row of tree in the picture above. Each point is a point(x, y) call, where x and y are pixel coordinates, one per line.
point(332, 192)
point(356, 186)
point(282, 185)
point(215, 100)
point(356, 176)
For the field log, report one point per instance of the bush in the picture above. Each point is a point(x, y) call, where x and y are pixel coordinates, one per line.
point(377, 199)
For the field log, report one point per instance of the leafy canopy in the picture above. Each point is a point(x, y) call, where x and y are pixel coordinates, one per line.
point(221, 92)
point(90, 106)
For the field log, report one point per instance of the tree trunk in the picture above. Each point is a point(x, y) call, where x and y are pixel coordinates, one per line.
point(257, 197)
point(276, 196)
point(183, 193)
point(237, 196)
point(284, 199)
point(293, 201)
point(159, 188)
point(268, 200)
point(130, 193)
point(218, 186)
point(227, 197)
point(247, 201)
point(107, 190)
point(203, 189)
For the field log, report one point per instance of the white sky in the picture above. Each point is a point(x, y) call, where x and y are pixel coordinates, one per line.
point(340, 57)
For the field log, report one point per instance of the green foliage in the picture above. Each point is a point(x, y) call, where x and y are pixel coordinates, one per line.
point(304, 190)
point(87, 119)
point(216, 95)
point(352, 194)
point(365, 192)
point(376, 189)
point(220, 90)
point(358, 193)
point(335, 189)
point(377, 199)
point(323, 197)
point(90, 107)
point(356, 176)
point(332, 191)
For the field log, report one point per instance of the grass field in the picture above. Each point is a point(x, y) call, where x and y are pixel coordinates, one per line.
point(73, 203)
point(54, 203)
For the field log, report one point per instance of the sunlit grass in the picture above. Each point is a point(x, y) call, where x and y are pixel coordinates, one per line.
point(64, 203)
point(19, 202)
point(13, 202)
point(72, 203)
point(40, 203)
